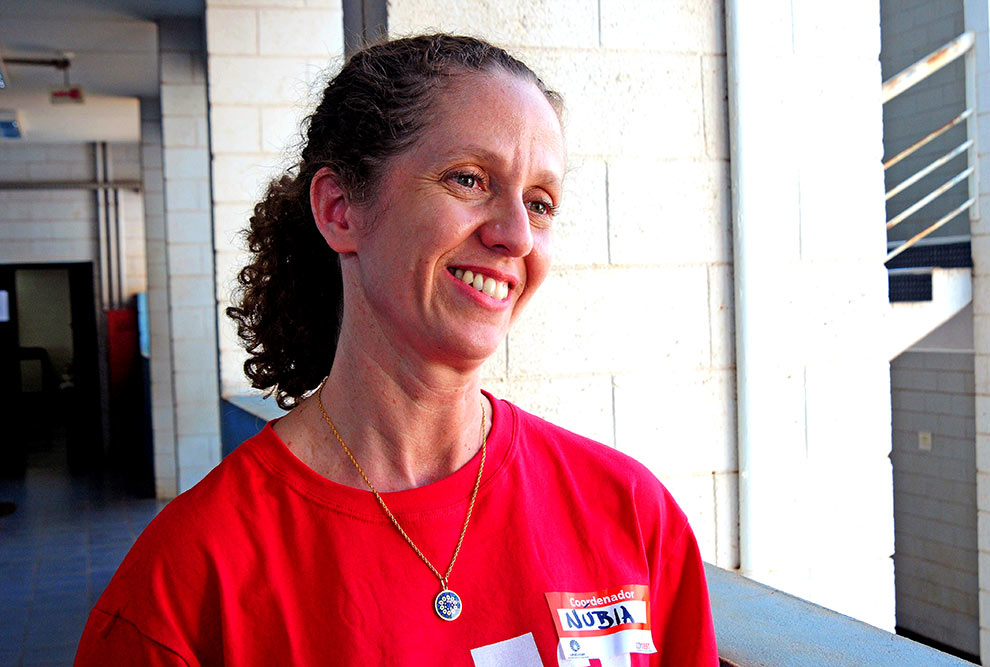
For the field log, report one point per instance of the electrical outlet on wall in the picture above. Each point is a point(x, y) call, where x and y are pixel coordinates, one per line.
point(925, 441)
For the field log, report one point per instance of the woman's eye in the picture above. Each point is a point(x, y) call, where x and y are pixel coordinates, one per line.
point(541, 207)
point(466, 180)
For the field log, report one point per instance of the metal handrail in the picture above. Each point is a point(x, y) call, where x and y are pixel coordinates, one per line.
point(931, 137)
point(929, 198)
point(903, 81)
point(928, 230)
point(921, 173)
point(927, 66)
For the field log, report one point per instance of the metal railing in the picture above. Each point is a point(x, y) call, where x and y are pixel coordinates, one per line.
point(961, 46)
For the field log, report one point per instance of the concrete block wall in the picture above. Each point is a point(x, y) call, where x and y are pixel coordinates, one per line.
point(630, 340)
point(188, 238)
point(60, 225)
point(41, 226)
point(268, 60)
point(909, 31)
point(935, 557)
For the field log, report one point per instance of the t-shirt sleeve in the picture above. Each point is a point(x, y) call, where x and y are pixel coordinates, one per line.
point(113, 640)
point(681, 611)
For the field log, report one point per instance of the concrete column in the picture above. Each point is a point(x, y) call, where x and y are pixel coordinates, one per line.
point(976, 13)
point(816, 509)
point(188, 238)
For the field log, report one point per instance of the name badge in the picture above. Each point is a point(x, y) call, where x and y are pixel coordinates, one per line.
point(602, 624)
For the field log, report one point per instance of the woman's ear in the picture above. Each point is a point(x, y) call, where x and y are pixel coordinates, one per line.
point(332, 211)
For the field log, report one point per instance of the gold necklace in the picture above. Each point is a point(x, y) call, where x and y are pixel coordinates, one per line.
point(447, 604)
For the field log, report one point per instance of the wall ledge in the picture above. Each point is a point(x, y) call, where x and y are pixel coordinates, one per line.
point(759, 625)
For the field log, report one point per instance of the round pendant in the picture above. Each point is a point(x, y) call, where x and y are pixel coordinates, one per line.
point(447, 605)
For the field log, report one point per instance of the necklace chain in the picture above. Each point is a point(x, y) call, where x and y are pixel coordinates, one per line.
point(381, 501)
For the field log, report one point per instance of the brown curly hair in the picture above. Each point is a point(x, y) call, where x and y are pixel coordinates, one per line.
point(289, 299)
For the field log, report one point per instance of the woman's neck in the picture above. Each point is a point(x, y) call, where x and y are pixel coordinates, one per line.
point(406, 424)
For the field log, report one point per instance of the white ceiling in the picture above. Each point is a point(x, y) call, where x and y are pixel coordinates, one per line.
point(114, 55)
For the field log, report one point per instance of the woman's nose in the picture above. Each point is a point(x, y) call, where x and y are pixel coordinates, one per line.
point(509, 229)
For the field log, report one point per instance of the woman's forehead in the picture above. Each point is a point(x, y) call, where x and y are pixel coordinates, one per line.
point(494, 116)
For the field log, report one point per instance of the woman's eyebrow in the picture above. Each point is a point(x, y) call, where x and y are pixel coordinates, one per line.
point(488, 156)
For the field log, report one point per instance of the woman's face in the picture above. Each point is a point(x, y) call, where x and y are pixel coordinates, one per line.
point(474, 197)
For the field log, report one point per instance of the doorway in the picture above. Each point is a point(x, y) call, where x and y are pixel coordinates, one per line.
point(49, 355)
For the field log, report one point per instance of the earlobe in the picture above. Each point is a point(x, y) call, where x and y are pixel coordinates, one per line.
point(331, 211)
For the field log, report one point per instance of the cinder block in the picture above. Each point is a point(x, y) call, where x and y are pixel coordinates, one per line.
point(246, 80)
point(189, 259)
point(232, 357)
point(189, 476)
point(241, 178)
point(604, 327)
point(495, 367)
point(197, 418)
point(952, 382)
point(184, 131)
point(686, 222)
point(200, 383)
point(183, 100)
point(695, 495)
point(230, 221)
point(650, 106)
point(309, 32)
point(188, 291)
point(716, 101)
point(197, 451)
point(580, 232)
point(188, 195)
point(281, 128)
point(231, 31)
point(582, 404)
point(189, 227)
point(679, 422)
point(562, 24)
point(227, 265)
point(184, 164)
point(674, 26)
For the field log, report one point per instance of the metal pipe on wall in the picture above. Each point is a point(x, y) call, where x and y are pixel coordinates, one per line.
point(98, 149)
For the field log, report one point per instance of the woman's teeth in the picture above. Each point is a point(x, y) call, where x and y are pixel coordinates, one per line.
point(493, 288)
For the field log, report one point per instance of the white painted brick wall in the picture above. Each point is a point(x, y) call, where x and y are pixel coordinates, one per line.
point(935, 497)
point(40, 226)
point(267, 60)
point(630, 341)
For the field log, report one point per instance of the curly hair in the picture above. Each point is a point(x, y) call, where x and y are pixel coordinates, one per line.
point(289, 299)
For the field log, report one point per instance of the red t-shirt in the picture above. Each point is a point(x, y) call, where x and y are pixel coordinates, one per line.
point(265, 562)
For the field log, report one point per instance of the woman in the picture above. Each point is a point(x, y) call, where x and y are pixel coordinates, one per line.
point(398, 514)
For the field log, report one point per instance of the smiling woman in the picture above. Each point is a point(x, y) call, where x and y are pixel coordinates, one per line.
point(388, 266)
